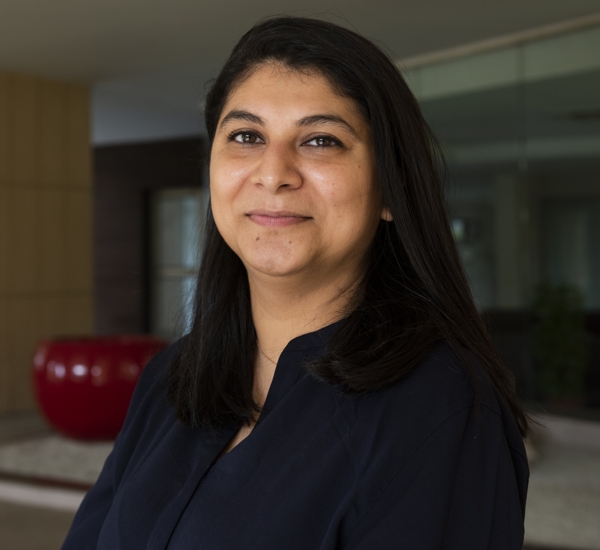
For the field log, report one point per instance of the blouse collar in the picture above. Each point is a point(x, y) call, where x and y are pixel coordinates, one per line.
point(290, 367)
point(319, 339)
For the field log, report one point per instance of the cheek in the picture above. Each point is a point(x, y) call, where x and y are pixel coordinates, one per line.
point(226, 180)
point(221, 198)
point(350, 193)
point(226, 184)
point(353, 211)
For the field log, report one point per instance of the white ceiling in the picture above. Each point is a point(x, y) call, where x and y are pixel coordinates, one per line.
point(94, 40)
point(149, 59)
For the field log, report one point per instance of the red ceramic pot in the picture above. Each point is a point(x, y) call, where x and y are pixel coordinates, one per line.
point(84, 385)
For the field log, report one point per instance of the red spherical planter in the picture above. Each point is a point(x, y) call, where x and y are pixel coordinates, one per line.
point(84, 385)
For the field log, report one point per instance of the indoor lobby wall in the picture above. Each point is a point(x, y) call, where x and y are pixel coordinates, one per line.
point(45, 223)
point(519, 125)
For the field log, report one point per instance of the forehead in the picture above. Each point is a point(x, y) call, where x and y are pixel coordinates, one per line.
point(276, 87)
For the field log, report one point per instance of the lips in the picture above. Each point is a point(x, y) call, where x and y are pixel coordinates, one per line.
point(278, 218)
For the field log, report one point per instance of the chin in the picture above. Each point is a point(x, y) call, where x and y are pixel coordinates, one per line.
point(273, 267)
point(273, 263)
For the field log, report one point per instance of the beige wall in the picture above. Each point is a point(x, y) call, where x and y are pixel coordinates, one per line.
point(45, 223)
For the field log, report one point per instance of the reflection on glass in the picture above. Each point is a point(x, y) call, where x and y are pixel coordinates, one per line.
point(173, 306)
point(572, 245)
point(520, 128)
point(177, 221)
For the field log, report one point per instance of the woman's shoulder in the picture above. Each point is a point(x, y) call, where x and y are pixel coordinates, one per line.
point(149, 413)
point(440, 389)
point(158, 365)
point(444, 382)
point(150, 394)
point(439, 403)
point(154, 374)
point(423, 445)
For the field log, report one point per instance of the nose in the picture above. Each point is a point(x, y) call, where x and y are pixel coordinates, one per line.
point(277, 169)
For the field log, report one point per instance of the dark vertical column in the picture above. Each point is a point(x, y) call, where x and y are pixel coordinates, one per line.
point(124, 177)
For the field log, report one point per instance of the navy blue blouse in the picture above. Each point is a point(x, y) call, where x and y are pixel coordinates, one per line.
point(413, 466)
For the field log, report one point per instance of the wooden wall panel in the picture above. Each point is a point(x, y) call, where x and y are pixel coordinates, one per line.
point(78, 314)
point(79, 153)
point(4, 240)
point(4, 128)
point(24, 252)
point(25, 333)
point(5, 357)
point(53, 126)
point(45, 224)
point(52, 316)
point(24, 128)
point(78, 238)
point(52, 239)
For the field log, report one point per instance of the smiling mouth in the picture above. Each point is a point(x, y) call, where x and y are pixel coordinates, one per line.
point(276, 219)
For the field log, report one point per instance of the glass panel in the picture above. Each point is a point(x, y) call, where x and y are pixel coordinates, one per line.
point(572, 246)
point(520, 127)
point(479, 132)
point(472, 215)
point(177, 220)
point(173, 306)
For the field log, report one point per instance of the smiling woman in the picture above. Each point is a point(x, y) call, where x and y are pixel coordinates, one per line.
point(294, 195)
point(296, 168)
point(337, 389)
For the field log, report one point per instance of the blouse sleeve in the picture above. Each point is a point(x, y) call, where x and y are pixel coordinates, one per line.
point(462, 489)
point(89, 519)
point(83, 534)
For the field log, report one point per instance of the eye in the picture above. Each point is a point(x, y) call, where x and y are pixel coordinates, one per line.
point(324, 142)
point(245, 137)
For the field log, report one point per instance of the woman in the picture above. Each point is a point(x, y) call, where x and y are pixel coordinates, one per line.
point(338, 389)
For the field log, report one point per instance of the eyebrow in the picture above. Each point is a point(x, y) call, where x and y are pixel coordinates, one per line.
point(328, 119)
point(241, 115)
point(246, 116)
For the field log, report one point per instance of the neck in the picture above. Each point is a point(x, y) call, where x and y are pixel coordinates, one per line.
point(286, 307)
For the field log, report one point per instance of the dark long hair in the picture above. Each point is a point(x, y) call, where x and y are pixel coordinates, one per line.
point(414, 293)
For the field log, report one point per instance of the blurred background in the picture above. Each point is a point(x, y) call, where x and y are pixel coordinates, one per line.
point(103, 193)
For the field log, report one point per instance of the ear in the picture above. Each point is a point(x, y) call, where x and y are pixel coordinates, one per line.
point(386, 214)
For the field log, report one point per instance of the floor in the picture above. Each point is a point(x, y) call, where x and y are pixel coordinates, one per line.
point(563, 509)
point(54, 459)
point(31, 528)
point(27, 527)
point(563, 503)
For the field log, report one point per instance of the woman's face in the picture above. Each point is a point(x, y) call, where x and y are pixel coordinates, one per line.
point(292, 176)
